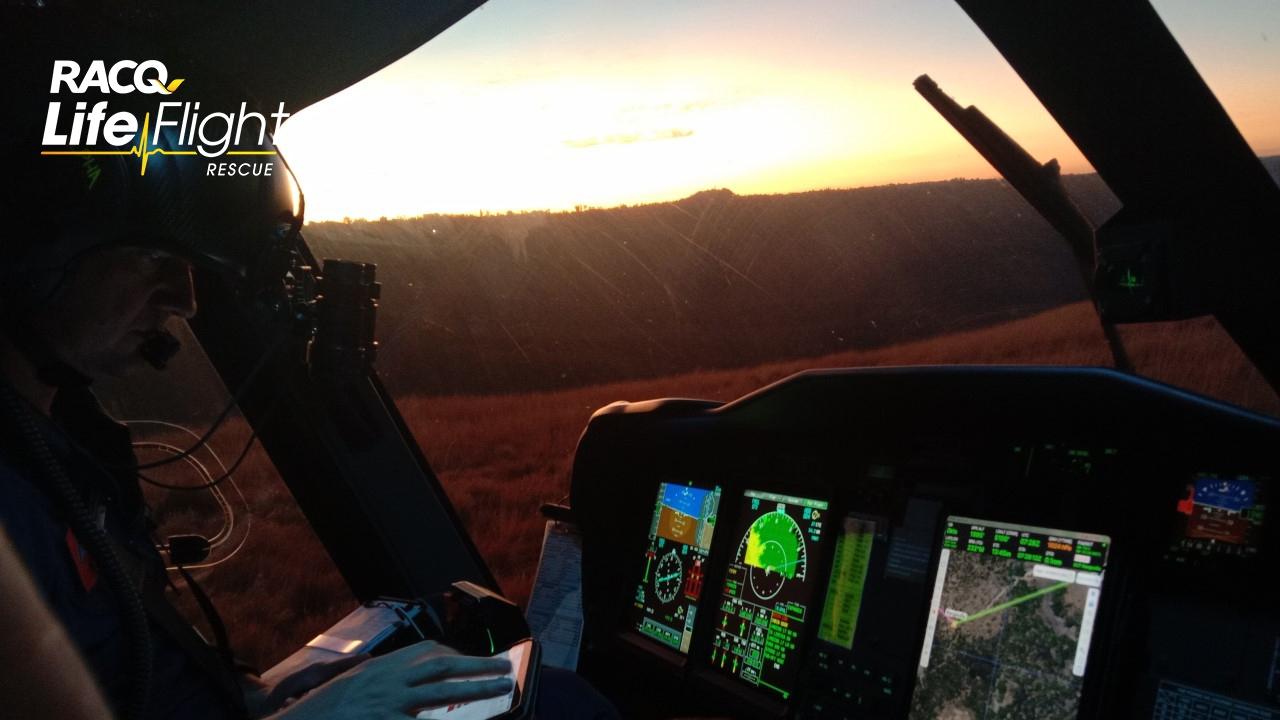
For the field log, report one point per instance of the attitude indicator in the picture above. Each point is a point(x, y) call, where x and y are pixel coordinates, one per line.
point(666, 600)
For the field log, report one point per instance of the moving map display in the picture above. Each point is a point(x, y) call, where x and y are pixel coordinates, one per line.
point(765, 601)
point(666, 601)
point(1010, 621)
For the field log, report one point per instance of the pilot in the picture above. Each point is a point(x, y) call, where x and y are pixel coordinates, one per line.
point(94, 262)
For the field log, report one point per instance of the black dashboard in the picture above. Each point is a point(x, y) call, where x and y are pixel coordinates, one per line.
point(997, 542)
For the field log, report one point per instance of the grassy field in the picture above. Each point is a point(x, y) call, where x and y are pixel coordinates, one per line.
point(501, 456)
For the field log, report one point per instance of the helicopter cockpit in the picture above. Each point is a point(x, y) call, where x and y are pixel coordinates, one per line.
point(905, 539)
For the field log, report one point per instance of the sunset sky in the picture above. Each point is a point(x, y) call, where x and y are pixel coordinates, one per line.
point(548, 104)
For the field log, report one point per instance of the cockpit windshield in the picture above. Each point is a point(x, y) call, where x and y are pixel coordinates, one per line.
point(572, 203)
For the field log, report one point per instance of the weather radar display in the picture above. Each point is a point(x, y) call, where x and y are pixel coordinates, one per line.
point(666, 601)
point(765, 600)
point(1010, 621)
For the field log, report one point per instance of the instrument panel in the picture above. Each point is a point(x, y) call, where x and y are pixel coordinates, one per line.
point(934, 542)
point(666, 603)
point(766, 601)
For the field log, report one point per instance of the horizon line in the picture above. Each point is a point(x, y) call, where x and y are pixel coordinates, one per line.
point(586, 208)
point(485, 212)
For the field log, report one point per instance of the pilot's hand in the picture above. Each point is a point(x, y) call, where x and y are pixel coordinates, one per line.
point(401, 683)
point(262, 699)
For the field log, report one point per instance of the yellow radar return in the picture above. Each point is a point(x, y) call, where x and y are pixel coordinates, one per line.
point(766, 599)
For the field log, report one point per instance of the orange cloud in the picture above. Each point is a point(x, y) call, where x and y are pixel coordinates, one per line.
point(629, 138)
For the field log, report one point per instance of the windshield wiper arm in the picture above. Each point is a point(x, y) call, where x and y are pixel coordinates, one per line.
point(1041, 186)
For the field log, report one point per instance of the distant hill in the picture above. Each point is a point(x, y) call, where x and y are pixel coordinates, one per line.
point(501, 303)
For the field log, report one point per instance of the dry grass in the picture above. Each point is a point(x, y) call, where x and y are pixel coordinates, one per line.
point(514, 452)
point(500, 457)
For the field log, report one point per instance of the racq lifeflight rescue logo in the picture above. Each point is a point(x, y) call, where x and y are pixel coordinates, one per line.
point(189, 129)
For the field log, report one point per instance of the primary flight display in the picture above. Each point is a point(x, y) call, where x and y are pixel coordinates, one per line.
point(680, 533)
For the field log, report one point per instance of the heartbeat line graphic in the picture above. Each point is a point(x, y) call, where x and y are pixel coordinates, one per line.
point(142, 151)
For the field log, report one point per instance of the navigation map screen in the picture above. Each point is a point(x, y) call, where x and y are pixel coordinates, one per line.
point(765, 601)
point(1222, 515)
point(1010, 621)
point(684, 519)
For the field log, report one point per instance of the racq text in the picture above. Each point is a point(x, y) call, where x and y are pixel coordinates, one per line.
point(239, 169)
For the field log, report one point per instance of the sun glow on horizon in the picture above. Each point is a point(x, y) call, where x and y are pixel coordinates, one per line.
point(578, 112)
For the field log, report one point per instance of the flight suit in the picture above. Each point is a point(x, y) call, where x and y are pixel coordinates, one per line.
point(189, 679)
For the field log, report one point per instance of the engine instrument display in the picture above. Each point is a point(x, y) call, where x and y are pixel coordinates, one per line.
point(1010, 621)
point(666, 599)
point(1221, 514)
point(848, 578)
point(765, 601)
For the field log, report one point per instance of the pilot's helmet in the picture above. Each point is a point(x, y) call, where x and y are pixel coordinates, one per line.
point(56, 208)
point(58, 202)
